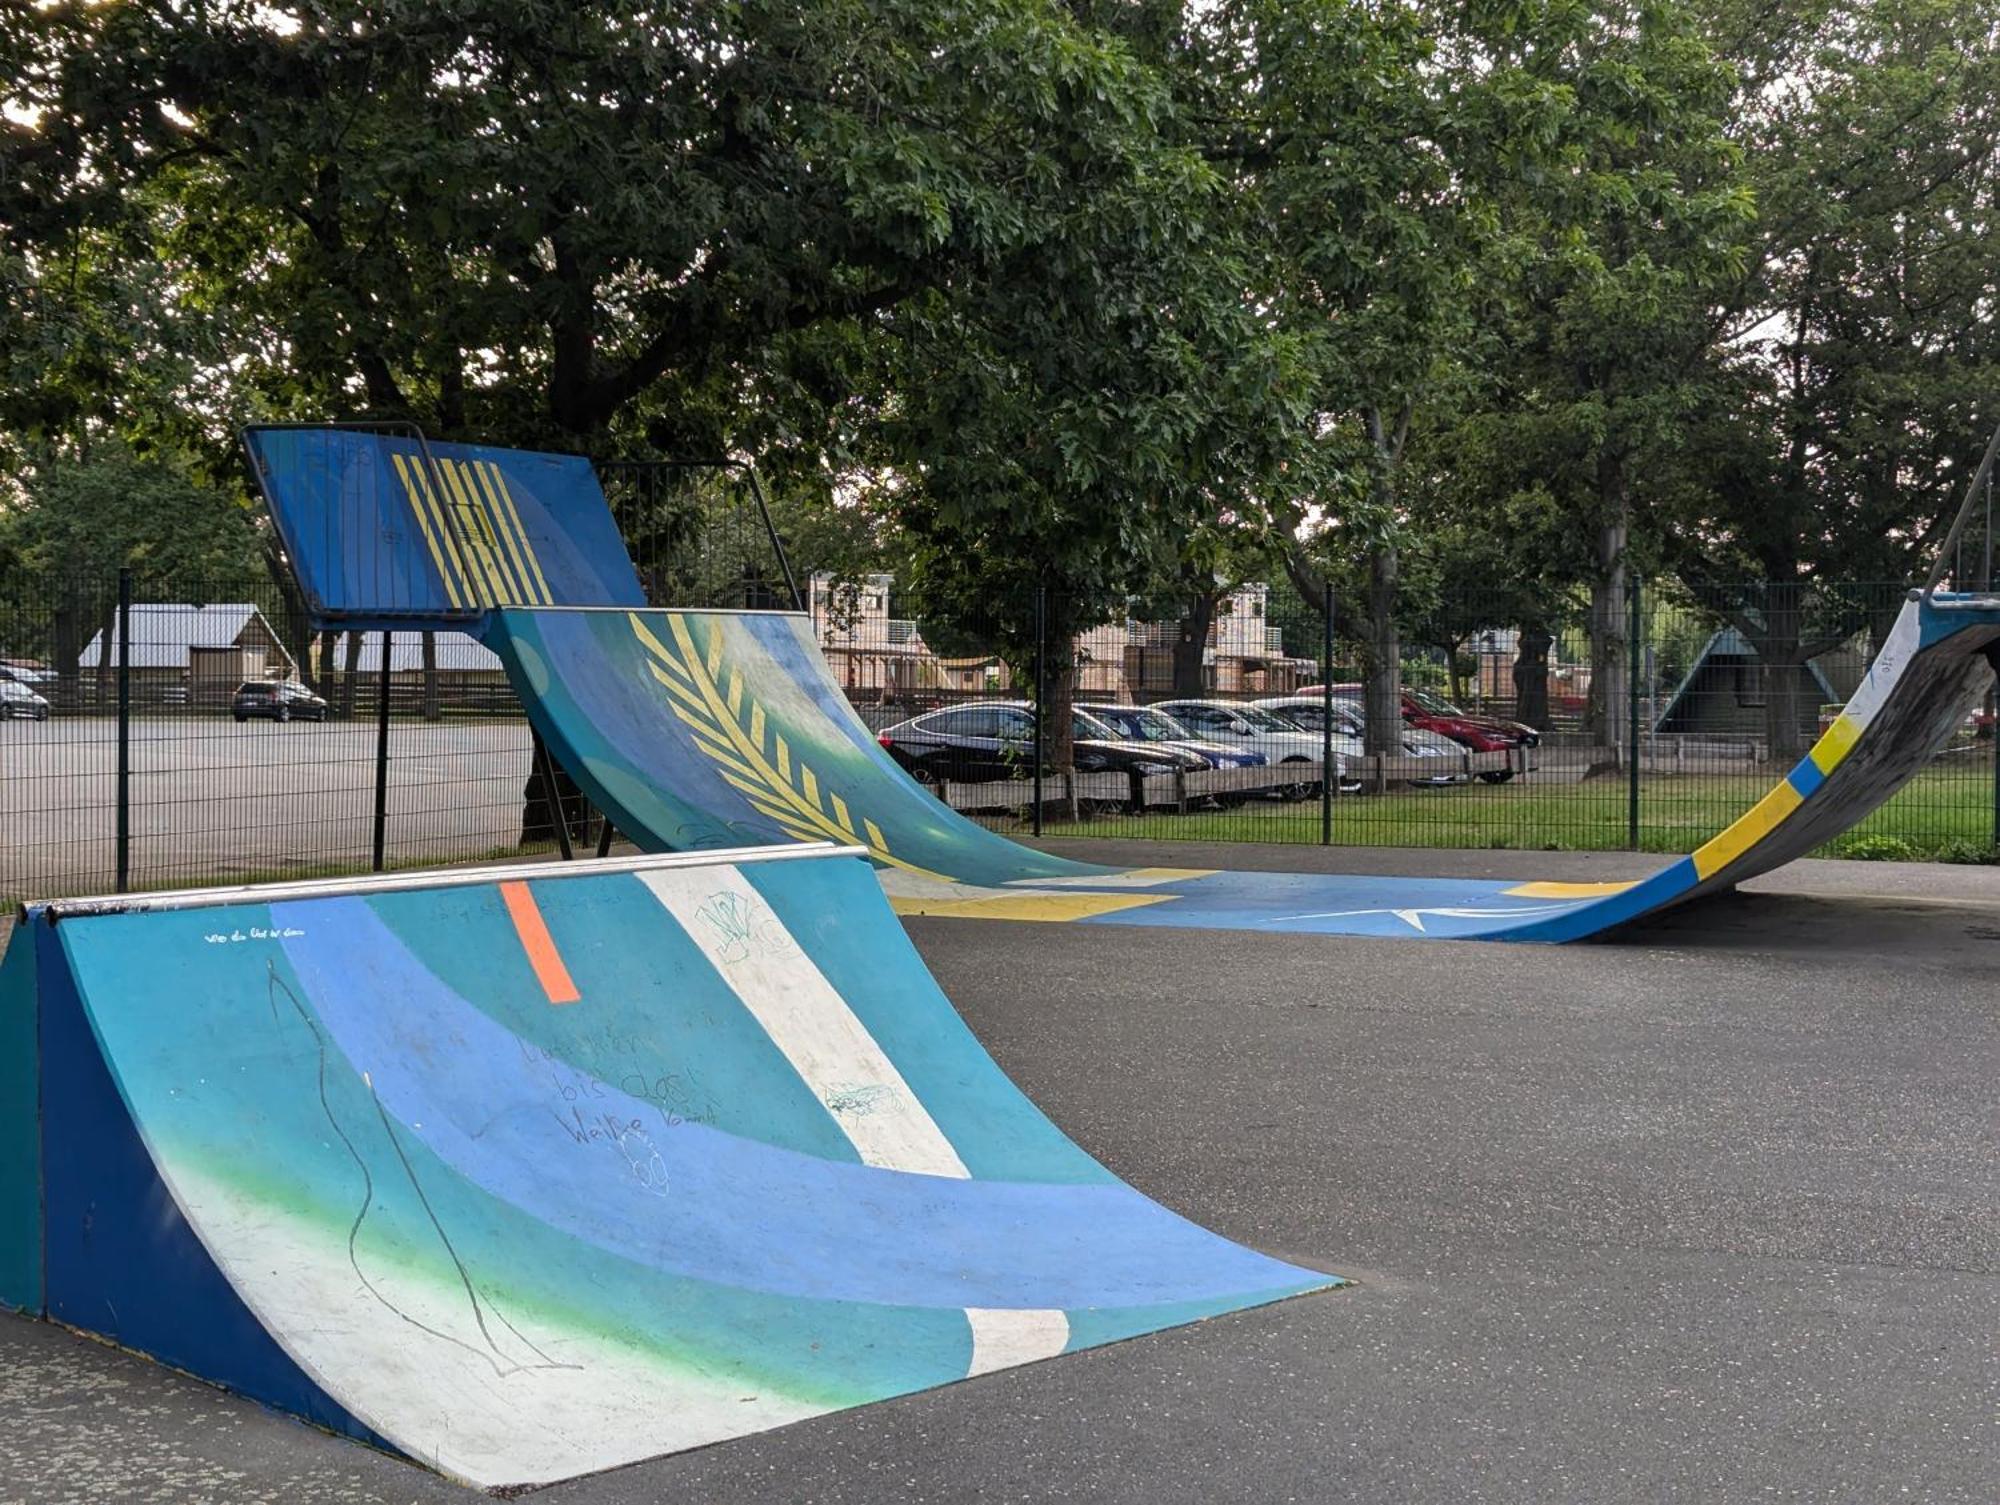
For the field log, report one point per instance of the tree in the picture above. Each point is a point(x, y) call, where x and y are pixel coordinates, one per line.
point(77, 523)
point(1631, 221)
point(1063, 431)
point(1850, 395)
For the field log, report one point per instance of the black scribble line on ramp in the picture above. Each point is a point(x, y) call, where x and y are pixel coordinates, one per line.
point(464, 1279)
point(276, 985)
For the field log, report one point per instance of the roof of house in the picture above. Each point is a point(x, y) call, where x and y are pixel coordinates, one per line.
point(1729, 645)
point(163, 635)
point(457, 653)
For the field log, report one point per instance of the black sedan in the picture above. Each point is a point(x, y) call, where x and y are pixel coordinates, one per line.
point(972, 744)
point(277, 699)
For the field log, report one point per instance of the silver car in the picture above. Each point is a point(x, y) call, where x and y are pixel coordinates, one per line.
point(18, 701)
point(1307, 710)
point(1236, 723)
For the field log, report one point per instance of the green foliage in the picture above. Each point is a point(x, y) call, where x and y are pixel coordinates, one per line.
point(1964, 850)
point(1875, 849)
point(80, 519)
point(1439, 304)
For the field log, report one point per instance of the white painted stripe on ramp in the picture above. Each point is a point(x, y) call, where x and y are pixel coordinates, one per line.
point(1004, 1336)
point(836, 1057)
point(806, 1018)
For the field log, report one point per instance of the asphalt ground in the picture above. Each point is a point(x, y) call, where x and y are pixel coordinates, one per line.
point(1708, 1213)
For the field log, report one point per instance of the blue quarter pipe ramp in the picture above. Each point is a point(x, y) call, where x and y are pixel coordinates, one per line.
point(530, 1173)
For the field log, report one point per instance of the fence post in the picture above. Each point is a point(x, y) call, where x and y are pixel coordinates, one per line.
point(124, 730)
point(1041, 698)
point(382, 755)
point(1328, 779)
point(1632, 658)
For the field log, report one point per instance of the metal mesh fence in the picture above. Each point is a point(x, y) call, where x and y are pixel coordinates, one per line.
point(1516, 731)
point(249, 745)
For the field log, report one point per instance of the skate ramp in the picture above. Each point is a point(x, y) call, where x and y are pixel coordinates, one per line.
point(697, 729)
point(530, 1173)
point(389, 530)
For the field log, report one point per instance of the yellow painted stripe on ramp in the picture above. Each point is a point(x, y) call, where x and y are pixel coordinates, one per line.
point(1760, 821)
point(1135, 877)
point(1837, 743)
point(1055, 907)
point(1551, 889)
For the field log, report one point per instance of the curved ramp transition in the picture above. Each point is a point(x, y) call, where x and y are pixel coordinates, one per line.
point(697, 729)
point(529, 1173)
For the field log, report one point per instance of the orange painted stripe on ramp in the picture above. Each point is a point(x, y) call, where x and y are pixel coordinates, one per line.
point(538, 943)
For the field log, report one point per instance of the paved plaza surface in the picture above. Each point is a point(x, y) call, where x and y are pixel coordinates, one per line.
point(1710, 1212)
point(214, 802)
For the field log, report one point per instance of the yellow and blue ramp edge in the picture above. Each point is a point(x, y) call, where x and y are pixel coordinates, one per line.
point(529, 1173)
point(698, 729)
point(383, 530)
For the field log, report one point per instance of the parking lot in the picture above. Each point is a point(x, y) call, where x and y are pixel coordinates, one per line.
point(212, 799)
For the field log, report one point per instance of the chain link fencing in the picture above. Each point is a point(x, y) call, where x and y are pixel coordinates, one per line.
point(207, 735)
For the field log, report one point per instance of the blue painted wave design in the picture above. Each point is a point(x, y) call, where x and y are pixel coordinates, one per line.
point(719, 1207)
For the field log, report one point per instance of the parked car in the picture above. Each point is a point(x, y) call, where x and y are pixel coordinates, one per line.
point(1237, 724)
point(1138, 723)
point(18, 702)
point(276, 700)
point(972, 744)
point(1433, 713)
point(1349, 725)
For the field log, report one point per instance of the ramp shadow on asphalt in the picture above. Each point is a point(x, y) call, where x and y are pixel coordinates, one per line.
point(1965, 931)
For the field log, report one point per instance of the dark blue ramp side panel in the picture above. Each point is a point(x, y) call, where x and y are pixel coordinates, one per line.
point(385, 531)
point(122, 1261)
point(20, 1129)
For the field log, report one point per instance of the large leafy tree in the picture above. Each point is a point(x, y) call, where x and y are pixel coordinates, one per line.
point(544, 221)
point(1620, 234)
point(1853, 390)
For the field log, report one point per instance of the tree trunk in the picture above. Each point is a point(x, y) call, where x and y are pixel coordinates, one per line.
point(1531, 676)
point(1454, 674)
point(1780, 660)
point(321, 673)
point(1191, 644)
point(350, 674)
point(67, 643)
point(1059, 683)
point(1382, 652)
point(107, 629)
point(1606, 718)
point(433, 710)
point(1383, 658)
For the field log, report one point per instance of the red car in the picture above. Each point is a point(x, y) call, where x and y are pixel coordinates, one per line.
point(1435, 714)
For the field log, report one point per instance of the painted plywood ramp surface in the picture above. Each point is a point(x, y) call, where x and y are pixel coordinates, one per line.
point(528, 1176)
point(698, 729)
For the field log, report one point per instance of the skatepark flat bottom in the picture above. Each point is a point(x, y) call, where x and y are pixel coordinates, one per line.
point(1708, 1213)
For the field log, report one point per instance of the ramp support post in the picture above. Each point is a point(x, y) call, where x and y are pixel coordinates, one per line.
point(558, 816)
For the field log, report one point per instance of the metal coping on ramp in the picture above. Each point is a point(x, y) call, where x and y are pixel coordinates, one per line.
point(531, 1172)
point(412, 882)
